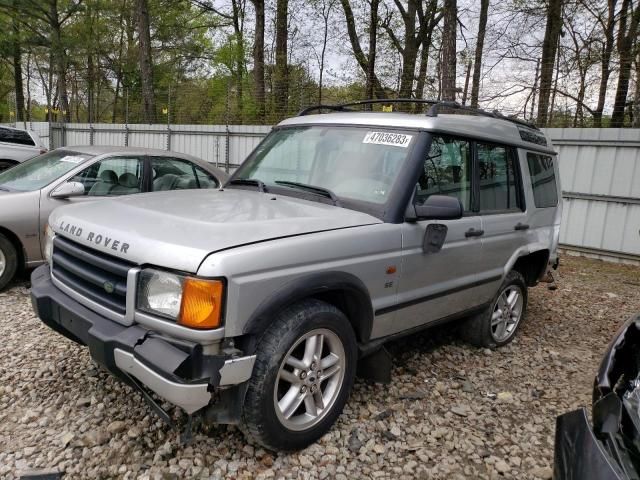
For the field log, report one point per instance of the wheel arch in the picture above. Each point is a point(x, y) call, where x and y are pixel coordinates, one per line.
point(343, 290)
point(532, 266)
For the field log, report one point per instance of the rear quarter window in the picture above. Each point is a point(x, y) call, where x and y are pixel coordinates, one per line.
point(18, 137)
point(543, 180)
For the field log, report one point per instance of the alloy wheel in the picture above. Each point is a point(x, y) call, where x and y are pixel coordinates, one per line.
point(507, 313)
point(309, 379)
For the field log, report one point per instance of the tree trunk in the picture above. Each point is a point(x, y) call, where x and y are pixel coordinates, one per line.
point(17, 68)
point(146, 65)
point(119, 68)
point(58, 57)
point(28, 105)
point(449, 50)
point(362, 59)
point(548, 58)
point(238, 13)
point(477, 64)
point(636, 108)
point(326, 12)
point(281, 80)
point(554, 90)
point(605, 69)
point(626, 39)
point(258, 60)
point(430, 19)
point(409, 52)
point(534, 89)
point(90, 88)
point(373, 41)
point(466, 83)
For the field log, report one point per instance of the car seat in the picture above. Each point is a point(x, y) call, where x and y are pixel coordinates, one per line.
point(165, 182)
point(128, 183)
point(105, 184)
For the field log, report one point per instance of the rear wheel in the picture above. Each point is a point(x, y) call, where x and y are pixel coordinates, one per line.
point(302, 377)
point(8, 261)
point(498, 324)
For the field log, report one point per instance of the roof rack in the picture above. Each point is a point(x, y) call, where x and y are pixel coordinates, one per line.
point(432, 112)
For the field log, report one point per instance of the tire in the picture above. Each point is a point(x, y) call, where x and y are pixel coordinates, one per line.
point(265, 418)
point(8, 261)
point(479, 331)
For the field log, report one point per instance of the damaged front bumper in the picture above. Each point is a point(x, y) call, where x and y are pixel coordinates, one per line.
point(610, 448)
point(176, 370)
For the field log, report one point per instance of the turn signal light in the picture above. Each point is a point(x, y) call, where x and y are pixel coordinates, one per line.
point(201, 305)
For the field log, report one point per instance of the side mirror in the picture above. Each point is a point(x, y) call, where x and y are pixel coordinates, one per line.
point(439, 207)
point(68, 189)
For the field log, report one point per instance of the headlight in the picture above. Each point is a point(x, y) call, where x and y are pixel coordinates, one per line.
point(191, 302)
point(48, 243)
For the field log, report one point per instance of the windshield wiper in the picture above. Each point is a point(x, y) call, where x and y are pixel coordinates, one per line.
point(311, 188)
point(248, 181)
point(5, 189)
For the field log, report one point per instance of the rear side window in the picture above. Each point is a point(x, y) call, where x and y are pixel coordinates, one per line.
point(543, 180)
point(19, 137)
point(499, 180)
point(177, 174)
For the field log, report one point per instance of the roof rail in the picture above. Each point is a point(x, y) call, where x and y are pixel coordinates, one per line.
point(433, 111)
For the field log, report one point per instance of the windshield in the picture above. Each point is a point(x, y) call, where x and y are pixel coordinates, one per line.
point(40, 171)
point(358, 163)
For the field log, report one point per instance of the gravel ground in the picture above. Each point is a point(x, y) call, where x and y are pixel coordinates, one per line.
point(451, 411)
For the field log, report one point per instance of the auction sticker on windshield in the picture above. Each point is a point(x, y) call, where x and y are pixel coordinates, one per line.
point(72, 159)
point(388, 138)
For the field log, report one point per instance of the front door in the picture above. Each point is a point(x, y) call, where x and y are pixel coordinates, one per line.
point(443, 283)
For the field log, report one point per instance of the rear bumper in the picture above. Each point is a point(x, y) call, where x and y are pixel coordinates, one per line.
point(176, 370)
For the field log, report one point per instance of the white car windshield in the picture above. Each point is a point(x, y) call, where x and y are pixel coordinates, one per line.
point(40, 171)
point(357, 163)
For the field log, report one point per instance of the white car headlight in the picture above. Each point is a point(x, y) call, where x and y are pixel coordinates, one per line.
point(49, 234)
point(160, 293)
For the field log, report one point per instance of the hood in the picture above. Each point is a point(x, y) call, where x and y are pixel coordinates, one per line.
point(179, 229)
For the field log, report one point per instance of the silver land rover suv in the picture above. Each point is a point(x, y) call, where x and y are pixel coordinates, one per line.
point(254, 304)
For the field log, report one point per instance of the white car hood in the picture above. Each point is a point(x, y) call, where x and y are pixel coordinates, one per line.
point(179, 229)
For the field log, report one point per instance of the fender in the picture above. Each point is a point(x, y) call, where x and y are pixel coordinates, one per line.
point(355, 301)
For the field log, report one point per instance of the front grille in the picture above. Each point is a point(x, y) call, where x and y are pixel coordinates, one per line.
point(94, 275)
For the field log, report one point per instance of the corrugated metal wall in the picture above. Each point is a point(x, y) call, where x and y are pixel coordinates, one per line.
point(600, 174)
point(599, 170)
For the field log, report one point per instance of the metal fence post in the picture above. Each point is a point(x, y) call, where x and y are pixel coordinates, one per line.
point(50, 130)
point(226, 148)
point(169, 120)
point(126, 118)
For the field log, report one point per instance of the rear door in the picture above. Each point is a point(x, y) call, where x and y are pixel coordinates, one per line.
point(501, 204)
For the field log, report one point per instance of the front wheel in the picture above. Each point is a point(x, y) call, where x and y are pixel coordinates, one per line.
point(498, 324)
point(304, 371)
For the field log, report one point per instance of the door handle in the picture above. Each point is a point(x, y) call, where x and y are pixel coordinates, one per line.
point(521, 226)
point(472, 232)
